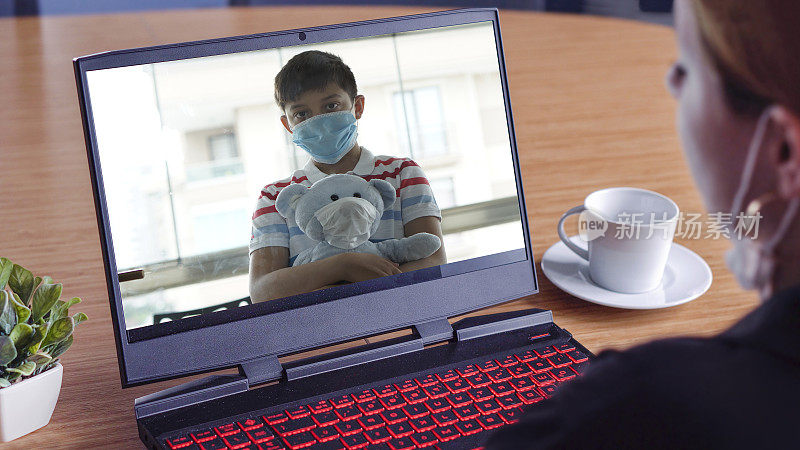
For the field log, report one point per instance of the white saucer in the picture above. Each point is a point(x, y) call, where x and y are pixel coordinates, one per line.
point(686, 277)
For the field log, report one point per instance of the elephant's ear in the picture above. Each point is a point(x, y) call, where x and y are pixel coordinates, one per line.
point(388, 194)
point(286, 202)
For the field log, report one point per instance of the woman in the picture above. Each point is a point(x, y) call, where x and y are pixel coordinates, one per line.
point(737, 83)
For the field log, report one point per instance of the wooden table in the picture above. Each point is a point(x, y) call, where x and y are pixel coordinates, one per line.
point(590, 108)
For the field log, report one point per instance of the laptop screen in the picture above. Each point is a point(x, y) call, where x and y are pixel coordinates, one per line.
point(196, 154)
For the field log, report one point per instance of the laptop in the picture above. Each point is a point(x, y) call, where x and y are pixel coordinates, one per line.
point(185, 140)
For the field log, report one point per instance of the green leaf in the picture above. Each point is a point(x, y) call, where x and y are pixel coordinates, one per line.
point(43, 300)
point(23, 312)
point(12, 376)
point(39, 333)
point(4, 383)
point(21, 335)
point(60, 330)
point(6, 267)
point(61, 308)
point(7, 350)
point(22, 282)
point(61, 347)
point(79, 317)
point(8, 316)
point(40, 359)
point(24, 369)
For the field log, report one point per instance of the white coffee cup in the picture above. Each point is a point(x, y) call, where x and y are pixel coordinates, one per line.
point(629, 233)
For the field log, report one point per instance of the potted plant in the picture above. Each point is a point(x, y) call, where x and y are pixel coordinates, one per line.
point(35, 330)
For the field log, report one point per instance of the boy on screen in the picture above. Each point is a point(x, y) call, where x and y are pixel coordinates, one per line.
point(319, 99)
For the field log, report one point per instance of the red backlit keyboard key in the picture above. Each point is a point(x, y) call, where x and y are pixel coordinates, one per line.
point(325, 418)
point(446, 433)
point(214, 444)
point(370, 407)
point(294, 426)
point(501, 389)
point(468, 427)
point(580, 367)
point(250, 424)
point(205, 435)
point(467, 412)
point(546, 351)
point(526, 356)
point(563, 373)
point(180, 442)
point(401, 444)
point(424, 439)
point(348, 428)
point(540, 365)
point(414, 411)
point(400, 429)
point(227, 429)
point(549, 390)
point(543, 379)
point(260, 435)
point(427, 380)
point(478, 380)
point(406, 385)
point(355, 441)
point(394, 416)
point(522, 384)
point(385, 391)
point(415, 396)
point(491, 421)
point(422, 423)
point(298, 412)
point(488, 406)
point(370, 422)
point(348, 412)
point(274, 444)
point(320, 407)
point(559, 360)
point(445, 417)
point(272, 419)
point(363, 396)
point(238, 440)
point(509, 401)
point(488, 365)
point(342, 401)
point(465, 371)
point(300, 440)
point(447, 376)
point(530, 397)
point(520, 370)
point(577, 356)
point(499, 375)
point(393, 401)
point(325, 434)
point(378, 435)
point(565, 347)
point(459, 399)
point(509, 360)
point(435, 391)
point(479, 394)
point(437, 405)
point(458, 385)
point(511, 416)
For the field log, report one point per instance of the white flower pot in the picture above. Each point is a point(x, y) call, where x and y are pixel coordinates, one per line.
point(27, 405)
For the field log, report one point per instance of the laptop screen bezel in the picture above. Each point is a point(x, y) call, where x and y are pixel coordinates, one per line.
point(204, 343)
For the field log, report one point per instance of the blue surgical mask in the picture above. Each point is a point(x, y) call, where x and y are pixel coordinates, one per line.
point(326, 137)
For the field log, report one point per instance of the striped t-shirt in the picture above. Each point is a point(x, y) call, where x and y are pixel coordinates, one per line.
point(414, 200)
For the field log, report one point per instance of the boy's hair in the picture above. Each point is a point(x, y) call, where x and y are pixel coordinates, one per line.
point(312, 70)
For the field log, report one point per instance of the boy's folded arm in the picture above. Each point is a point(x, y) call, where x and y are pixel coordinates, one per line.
point(427, 224)
point(272, 278)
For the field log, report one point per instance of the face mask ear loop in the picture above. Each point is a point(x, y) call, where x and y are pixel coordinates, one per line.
point(750, 162)
point(783, 227)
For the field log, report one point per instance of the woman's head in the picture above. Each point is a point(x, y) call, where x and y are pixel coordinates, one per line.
point(740, 61)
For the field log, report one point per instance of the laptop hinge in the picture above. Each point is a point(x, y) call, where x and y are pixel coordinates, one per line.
point(193, 392)
point(435, 331)
point(480, 326)
point(261, 370)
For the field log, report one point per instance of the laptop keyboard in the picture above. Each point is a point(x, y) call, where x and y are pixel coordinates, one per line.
point(420, 412)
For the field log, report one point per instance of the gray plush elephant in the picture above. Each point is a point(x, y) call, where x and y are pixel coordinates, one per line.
point(342, 212)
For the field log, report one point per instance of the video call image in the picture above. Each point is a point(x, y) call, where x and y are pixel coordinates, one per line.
point(250, 177)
